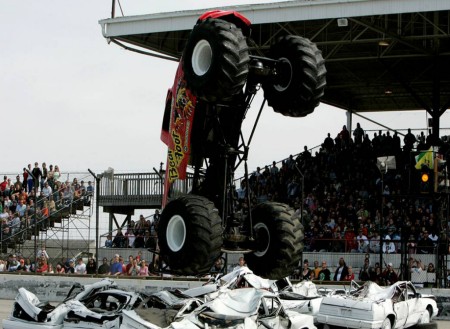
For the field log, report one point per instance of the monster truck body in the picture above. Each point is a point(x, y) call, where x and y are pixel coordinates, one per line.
point(216, 81)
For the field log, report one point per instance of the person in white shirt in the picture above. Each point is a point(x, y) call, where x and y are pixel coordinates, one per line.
point(241, 264)
point(42, 252)
point(80, 268)
point(47, 190)
point(388, 245)
point(363, 242)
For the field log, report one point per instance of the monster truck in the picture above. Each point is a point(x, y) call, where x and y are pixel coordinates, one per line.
point(216, 81)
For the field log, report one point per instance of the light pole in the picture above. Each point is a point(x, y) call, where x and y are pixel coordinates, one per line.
point(97, 194)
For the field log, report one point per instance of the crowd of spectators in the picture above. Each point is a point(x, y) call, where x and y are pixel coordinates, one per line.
point(35, 196)
point(344, 201)
point(137, 234)
point(348, 204)
point(136, 266)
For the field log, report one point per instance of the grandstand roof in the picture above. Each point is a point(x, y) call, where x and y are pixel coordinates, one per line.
point(384, 55)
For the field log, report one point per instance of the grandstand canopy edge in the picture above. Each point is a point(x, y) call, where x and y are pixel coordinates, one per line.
point(384, 55)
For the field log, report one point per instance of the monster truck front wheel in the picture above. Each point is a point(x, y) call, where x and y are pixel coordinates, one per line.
point(215, 60)
point(278, 241)
point(190, 235)
point(300, 80)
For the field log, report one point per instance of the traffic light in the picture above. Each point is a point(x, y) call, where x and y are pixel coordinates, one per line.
point(426, 181)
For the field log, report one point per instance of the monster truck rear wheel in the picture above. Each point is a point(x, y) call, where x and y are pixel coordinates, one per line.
point(190, 235)
point(300, 80)
point(215, 60)
point(278, 241)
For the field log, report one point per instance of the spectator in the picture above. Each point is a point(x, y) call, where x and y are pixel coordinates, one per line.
point(47, 190)
point(307, 273)
point(363, 242)
point(350, 275)
point(80, 268)
point(28, 265)
point(42, 252)
point(109, 241)
point(358, 134)
point(143, 269)
point(430, 268)
point(104, 268)
point(56, 174)
point(21, 267)
point(219, 266)
point(364, 273)
point(50, 268)
point(129, 265)
point(116, 267)
point(316, 270)
point(60, 269)
point(134, 268)
point(71, 268)
point(389, 275)
point(341, 271)
point(388, 245)
point(425, 244)
point(324, 274)
point(37, 174)
point(241, 264)
point(29, 178)
point(42, 265)
point(119, 240)
point(91, 266)
point(44, 175)
point(374, 244)
point(12, 263)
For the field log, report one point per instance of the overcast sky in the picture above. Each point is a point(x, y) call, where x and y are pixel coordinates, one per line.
point(69, 98)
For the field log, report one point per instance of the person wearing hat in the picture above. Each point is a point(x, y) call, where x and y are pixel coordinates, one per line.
point(71, 268)
point(21, 267)
point(389, 276)
point(388, 245)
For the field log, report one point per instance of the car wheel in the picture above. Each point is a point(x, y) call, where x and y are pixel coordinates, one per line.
point(215, 60)
point(278, 241)
point(426, 317)
point(386, 324)
point(301, 77)
point(190, 235)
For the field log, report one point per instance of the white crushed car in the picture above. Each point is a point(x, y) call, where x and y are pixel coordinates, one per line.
point(302, 297)
point(372, 306)
point(245, 308)
point(97, 305)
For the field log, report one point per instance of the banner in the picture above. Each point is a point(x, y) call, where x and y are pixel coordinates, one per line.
point(425, 158)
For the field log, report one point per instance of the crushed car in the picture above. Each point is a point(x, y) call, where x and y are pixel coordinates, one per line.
point(240, 308)
point(372, 306)
point(97, 305)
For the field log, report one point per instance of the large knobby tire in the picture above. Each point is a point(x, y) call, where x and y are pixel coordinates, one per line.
point(278, 240)
point(190, 235)
point(300, 81)
point(215, 60)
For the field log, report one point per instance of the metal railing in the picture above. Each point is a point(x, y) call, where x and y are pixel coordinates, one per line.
point(138, 189)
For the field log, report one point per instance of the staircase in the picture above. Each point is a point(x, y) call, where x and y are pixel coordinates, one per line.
point(55, 232)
